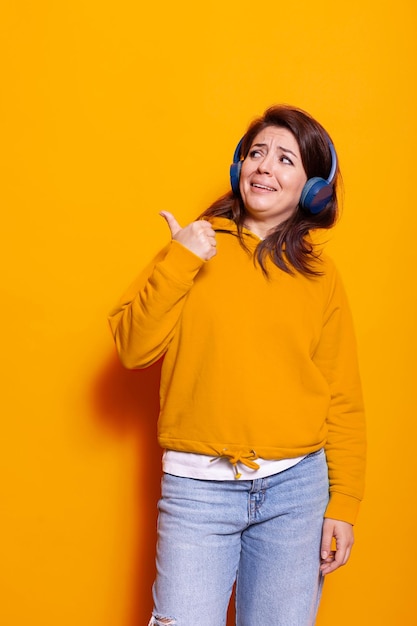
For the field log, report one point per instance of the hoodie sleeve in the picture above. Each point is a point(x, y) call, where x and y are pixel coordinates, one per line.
point(346, 440)
point(144, 322)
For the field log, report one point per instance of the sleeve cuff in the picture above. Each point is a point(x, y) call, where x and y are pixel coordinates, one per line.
point(180, 263)
point(343, 507)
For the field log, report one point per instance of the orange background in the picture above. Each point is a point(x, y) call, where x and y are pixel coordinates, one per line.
point(109, 113)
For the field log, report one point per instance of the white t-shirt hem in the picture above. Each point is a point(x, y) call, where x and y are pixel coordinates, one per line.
point(203, 467)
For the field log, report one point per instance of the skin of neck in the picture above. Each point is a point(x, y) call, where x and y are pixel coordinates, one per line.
point(259, 227)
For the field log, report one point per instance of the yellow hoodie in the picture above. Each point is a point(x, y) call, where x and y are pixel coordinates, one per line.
point(253, 366)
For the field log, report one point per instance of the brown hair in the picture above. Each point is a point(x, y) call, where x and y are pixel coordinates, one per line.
point(287, 245)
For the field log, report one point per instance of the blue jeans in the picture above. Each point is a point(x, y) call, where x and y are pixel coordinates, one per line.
point(264, 534)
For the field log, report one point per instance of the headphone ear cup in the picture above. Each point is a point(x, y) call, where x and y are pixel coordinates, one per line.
point(316, 194)
point(235, 176)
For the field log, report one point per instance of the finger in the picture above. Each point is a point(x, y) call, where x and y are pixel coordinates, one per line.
point(326, 541)
point(206, 228)
point(335, 559)
point(329, 567)
point(173, 225)
point(344, 543)
point(344, 556)
point(326, 566)
point(329, 559)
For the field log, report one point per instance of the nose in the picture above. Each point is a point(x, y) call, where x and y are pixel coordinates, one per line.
point(265, 164)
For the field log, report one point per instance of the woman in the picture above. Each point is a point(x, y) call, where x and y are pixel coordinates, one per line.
point(261, 409)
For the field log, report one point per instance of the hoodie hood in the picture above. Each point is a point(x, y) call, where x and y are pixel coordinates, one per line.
point(226, 225)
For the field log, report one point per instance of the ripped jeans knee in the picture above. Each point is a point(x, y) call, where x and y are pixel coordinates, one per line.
point(159, 620)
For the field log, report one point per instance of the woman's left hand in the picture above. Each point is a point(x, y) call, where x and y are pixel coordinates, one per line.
point(343, 536)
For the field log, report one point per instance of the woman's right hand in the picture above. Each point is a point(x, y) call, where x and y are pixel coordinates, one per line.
point(199, 236)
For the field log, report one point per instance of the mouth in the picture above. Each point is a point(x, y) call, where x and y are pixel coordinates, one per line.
point(263, 187)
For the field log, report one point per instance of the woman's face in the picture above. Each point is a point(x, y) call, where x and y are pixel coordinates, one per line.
point(272, 177)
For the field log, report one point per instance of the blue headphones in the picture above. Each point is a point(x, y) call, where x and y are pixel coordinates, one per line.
point(316, 192)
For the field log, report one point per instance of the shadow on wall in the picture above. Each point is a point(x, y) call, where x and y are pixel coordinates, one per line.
point(127, 402)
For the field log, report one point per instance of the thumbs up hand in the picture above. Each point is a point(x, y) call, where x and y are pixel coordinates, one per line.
point(199, 236)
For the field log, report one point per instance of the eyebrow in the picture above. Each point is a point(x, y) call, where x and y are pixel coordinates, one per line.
point(264, 145)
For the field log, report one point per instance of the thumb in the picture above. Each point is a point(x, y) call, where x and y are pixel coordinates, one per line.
point(326, 541)
point(174, 227)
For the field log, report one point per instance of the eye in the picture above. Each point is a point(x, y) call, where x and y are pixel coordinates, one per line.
point(255, 154)
point(285, 159)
